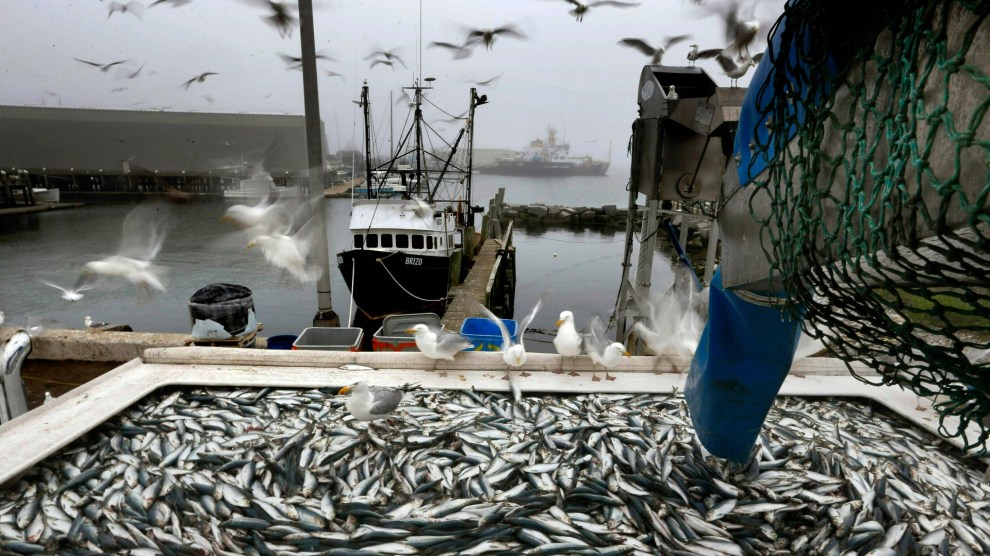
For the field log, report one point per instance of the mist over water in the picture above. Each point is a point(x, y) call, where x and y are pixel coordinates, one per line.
point(581, 267)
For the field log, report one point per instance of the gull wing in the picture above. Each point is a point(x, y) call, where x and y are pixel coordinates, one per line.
point(596, 340)
point(506, 338)
point(450, 342)
point(384, 400)
point(524, 323)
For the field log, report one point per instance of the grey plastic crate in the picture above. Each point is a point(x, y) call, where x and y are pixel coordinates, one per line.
point(345, 338)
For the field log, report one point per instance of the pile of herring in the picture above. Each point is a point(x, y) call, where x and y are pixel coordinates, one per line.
point(279, 471)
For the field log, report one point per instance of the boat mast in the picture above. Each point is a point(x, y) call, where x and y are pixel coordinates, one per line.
point(366, 106)
point(419, 140)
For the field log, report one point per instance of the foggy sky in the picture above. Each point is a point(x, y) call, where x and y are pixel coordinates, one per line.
point(568, 74)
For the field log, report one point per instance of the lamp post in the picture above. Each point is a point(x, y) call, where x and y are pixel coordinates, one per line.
point(325, 315)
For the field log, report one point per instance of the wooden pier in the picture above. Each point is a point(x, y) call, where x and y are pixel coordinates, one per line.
point(492, 280)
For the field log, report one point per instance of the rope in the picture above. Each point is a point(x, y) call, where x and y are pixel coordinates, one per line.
point(403, 288)
point(876, 142)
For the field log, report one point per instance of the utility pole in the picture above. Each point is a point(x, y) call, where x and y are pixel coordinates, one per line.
point(325, 315)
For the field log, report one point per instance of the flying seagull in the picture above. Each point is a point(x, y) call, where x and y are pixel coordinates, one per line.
point(134, 8)
point(68, 294)
point(295, 62)
point(514, 354)
point(201, 78)
point(136, 73)
point(488, 81)
point(334, 74)
point(390, 57)
point(580, 8)
point(656, 54)
point(487, 36)
point(280, 16)
point(103, 67)
point(459, 51)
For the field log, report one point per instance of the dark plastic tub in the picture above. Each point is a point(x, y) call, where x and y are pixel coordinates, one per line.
point(283, 341)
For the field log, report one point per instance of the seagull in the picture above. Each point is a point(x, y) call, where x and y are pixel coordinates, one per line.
point(295, 62)
point(3, 317)
point(103, 67)
point(460, 51)
point(135, 8)
point(118, 89)
point(738, 31)
point(390, 57)
point(280, 18)
point(601, 352)
point(580, 8)
point(695, 54)
point(290, 251)
point(568, 341)
point(136, 73)
point(90, 323)
point(488, 36)
point(370, 403)
point(68, 294)
point(513, 354)
point(672, 93)
point(437, 343)
point(201, 78)
point(734, 70)
point(174, 3)
point(421, 208)
point(142, 236)
point(672, 323)
point(334, 74)
point(656, 54)
point(488, 81)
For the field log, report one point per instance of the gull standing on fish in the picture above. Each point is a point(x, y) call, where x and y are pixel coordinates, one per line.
point(567, 342)
point(437, 343)
point(656, 54)
point(580, 8)
point(368, 403)
point(142, 236)
point(514, 354)
point(601, 351)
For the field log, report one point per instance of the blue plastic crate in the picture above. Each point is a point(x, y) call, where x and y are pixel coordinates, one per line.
point(484, 333)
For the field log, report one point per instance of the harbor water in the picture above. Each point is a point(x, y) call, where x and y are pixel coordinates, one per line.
point(581, 268)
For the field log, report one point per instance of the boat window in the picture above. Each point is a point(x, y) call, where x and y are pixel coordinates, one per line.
point(440, 241)
point(358, 241)
point(429, 242)
point(402, 241)
point(417, 241)
point(372, 240)
point(450, 239)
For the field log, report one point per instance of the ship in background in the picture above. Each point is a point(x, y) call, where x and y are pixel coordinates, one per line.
point(546, 158)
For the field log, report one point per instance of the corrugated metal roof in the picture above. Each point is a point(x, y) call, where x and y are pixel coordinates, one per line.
point(91, 139)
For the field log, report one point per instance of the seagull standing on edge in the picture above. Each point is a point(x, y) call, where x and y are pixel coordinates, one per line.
point(437, 343)
point(601, 351)
point(568, 341)
point(90, 323)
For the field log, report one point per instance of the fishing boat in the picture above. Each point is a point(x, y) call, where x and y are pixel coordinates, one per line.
point(407, 231)
point(546, 158)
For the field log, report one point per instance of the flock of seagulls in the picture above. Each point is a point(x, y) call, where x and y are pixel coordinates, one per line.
point(734, 57)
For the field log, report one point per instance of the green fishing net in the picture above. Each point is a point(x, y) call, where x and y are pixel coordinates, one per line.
point(878, 178)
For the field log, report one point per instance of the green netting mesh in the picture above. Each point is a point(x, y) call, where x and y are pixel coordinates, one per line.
point(878, 186)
